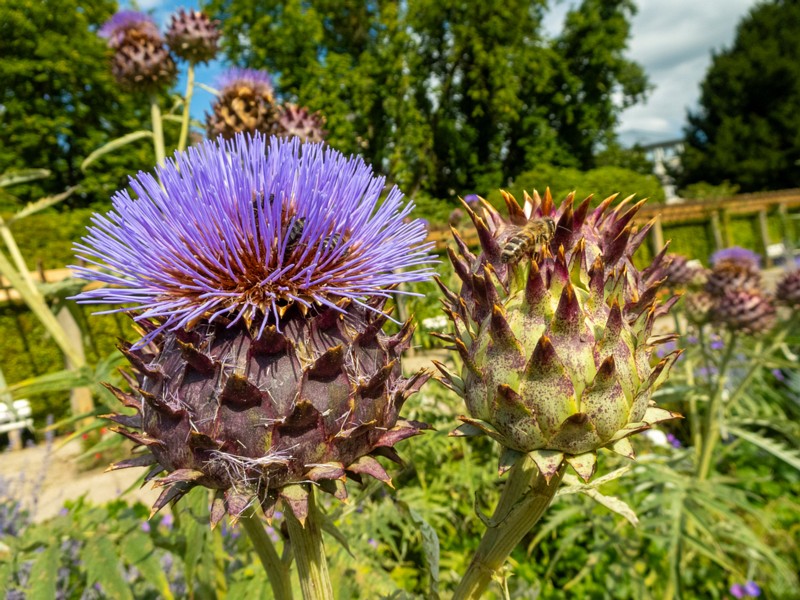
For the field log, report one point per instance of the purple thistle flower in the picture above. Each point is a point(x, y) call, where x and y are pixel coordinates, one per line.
point(258, 80)
point(717, 345)
point(145, 526)
point(736, 254)
point(472, 199)
point(752, 589)
point(116, 29)
point(246, 227)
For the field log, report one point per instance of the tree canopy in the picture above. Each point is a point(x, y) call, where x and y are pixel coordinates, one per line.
point(58, 100)
point(747, 130)
point(446, 96)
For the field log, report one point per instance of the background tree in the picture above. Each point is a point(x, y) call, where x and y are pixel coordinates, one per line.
point(747, 130)
point(446, 96)
point(58, 100)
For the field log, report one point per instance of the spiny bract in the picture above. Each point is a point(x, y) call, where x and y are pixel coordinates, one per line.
point(259, 273)
point(557, 347)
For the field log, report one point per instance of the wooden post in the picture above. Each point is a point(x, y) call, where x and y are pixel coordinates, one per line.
point(763, 228)
point(80, 399)
point(715, 229)
point(727, 236)
point(658, 235)
point(788, 233)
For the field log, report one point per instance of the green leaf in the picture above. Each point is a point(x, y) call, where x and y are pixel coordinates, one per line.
point(10, 178)
point(430, 546)
point(42, 203)
point(138, 550)
point(114, 145)
point(774, 447)
point(103, 566)
point(42, 583)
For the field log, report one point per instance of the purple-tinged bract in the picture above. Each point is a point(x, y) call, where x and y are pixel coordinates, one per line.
point(245, 229)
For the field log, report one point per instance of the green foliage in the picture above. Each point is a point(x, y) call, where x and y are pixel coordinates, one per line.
point(702, 190)
point(59, 101)
point(446, 96)
point(27, 351)
point(602, 182)
point(746, 129)
point(633, 159)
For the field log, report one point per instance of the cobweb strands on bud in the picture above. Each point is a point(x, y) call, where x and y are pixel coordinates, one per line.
point(247, 228)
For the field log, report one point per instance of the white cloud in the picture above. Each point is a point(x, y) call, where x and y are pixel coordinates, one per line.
point(673, 41)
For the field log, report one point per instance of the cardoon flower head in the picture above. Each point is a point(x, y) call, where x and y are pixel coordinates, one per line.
point(681, 271)
point(733, 269)
point(259, 273)
point(736, 254)
point(246, 104)
point(299, 121)
point(127, 25)
point(557, 342)
point(140, 61)
point(788, 289)
point(193, 36)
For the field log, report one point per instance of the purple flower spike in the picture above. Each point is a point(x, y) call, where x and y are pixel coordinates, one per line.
point(737, 590)
point(752, 589)
point(247, 228)
point(254, 78)
point(118, 26)
point(736, 254)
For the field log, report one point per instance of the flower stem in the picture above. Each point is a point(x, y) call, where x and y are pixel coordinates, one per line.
point(524, 499)
point(187, 103)
point(309, 553)
point(276, 571)
point(711, 428)
point(158, 131)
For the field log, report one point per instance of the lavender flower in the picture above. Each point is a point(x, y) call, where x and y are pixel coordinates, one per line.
point(752, 589)
point(737, 590)
point(245, 228)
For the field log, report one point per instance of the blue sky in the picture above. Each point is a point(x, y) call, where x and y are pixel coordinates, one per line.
point(672, 39)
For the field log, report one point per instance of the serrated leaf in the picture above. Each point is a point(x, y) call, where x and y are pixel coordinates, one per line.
point(138, 550)
point(774, 447)
point(42, 582)
point(103, 566)
point(114, 145)
point(613, 504)
point(430, 546)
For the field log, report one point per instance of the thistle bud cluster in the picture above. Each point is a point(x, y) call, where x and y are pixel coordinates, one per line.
point(141, 62)
point(733, 295)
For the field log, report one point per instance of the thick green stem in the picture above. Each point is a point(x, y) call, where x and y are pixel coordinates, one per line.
point(158, 131)
point(711, 428)
point(187, 103)
point(277, 572)
point(309, 553)
point(524, 499)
